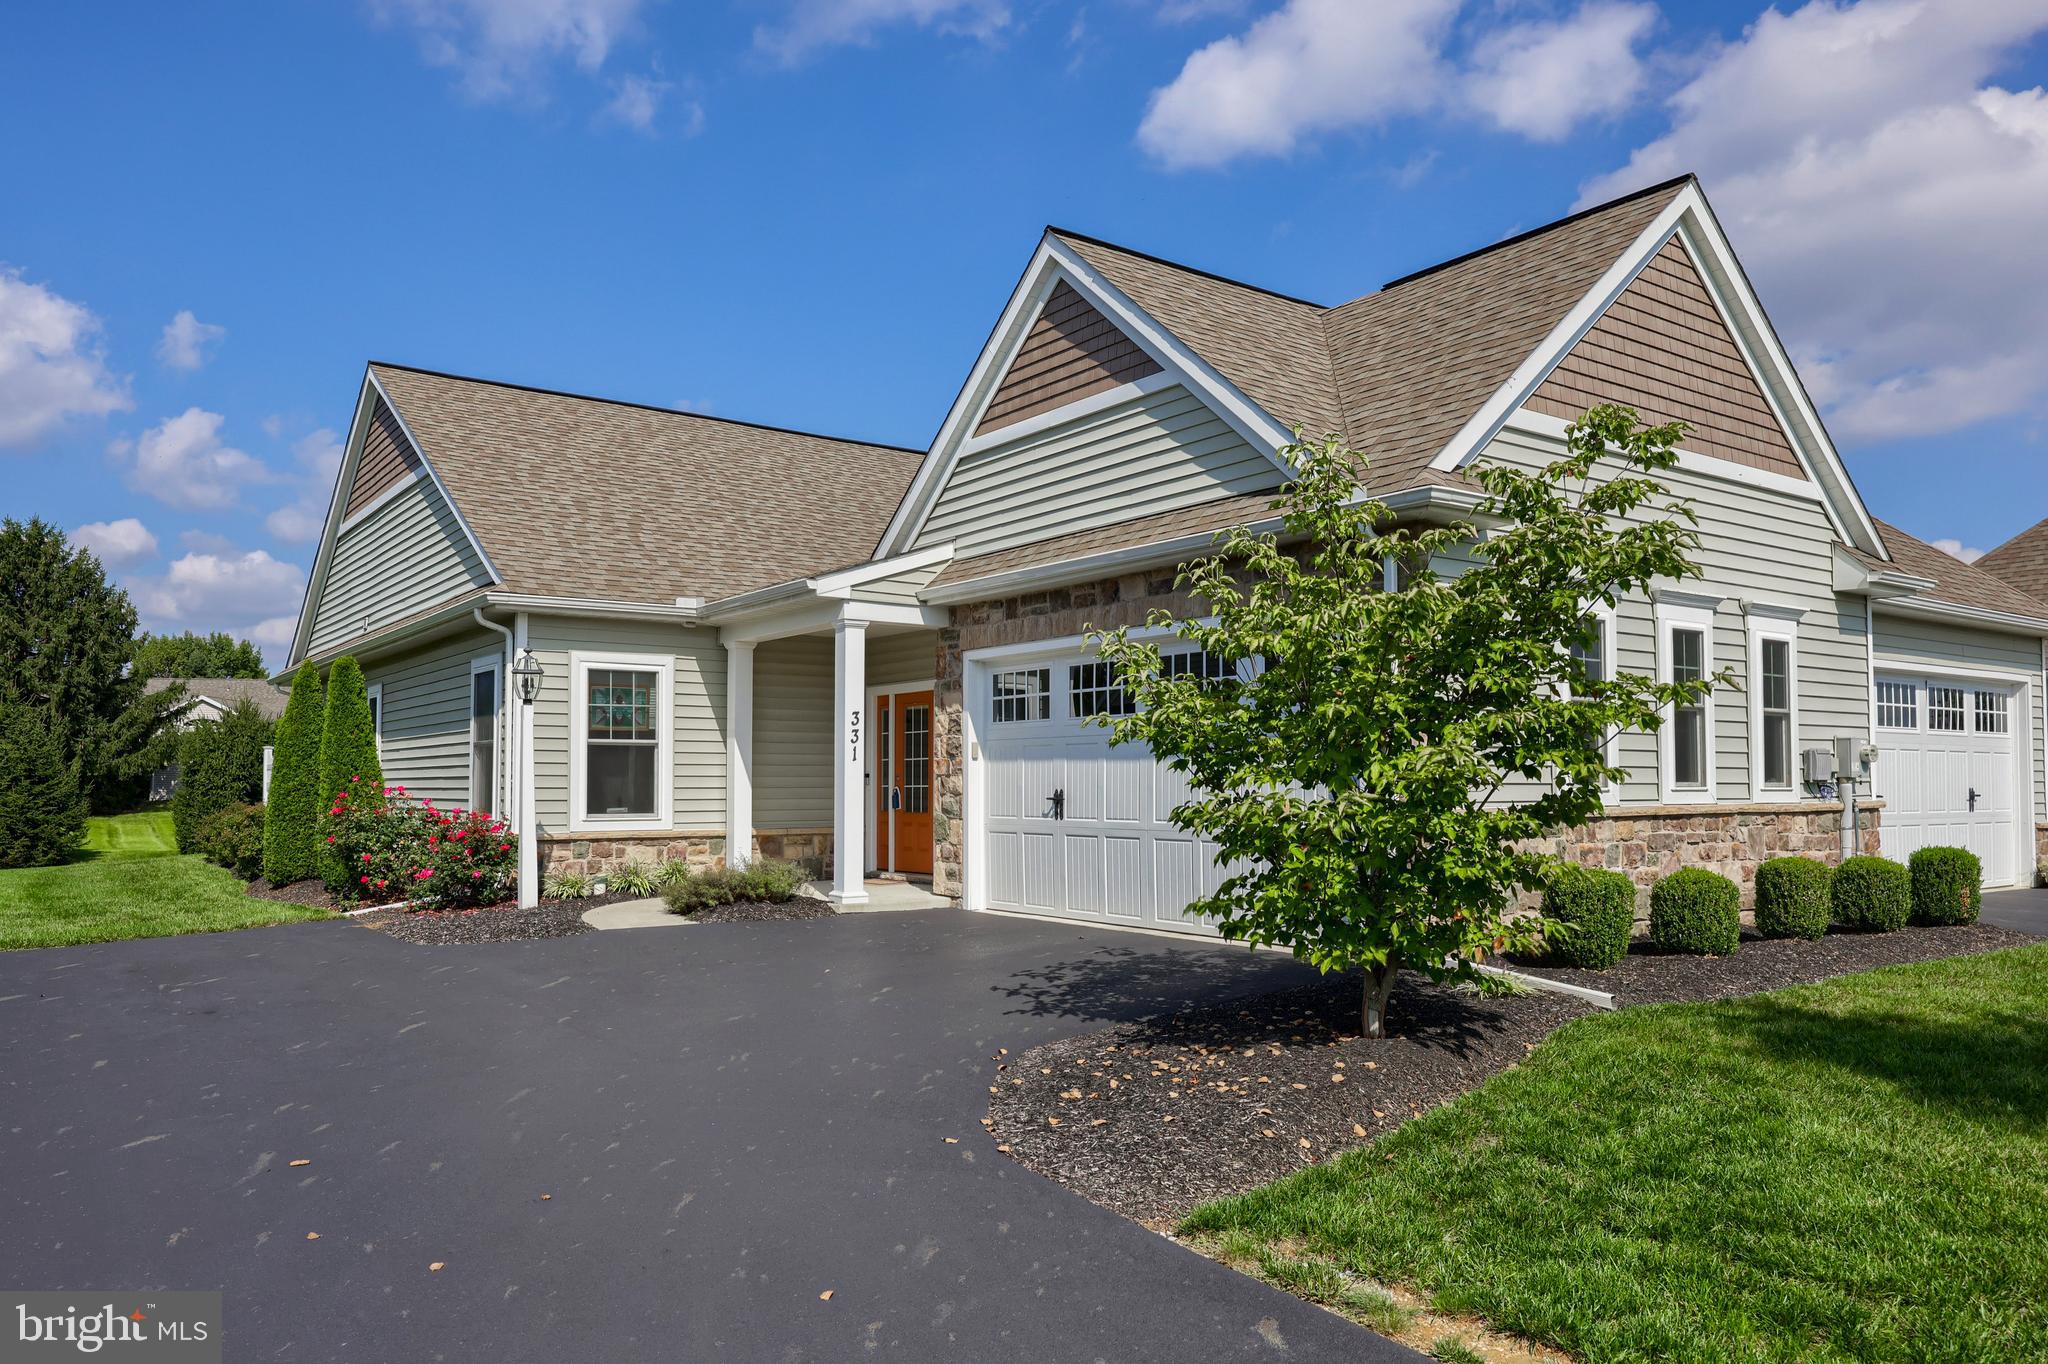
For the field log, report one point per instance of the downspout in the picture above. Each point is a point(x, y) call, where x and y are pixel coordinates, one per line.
point(515, 748)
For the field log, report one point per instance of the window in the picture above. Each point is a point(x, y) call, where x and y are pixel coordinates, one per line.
point(1774, 702)
point(1093, 689)
point(1689, 722)
point(619, 739)
point(1898, 705)
point(376, 690)
point(1591, 649)
point(483, 734)
point(1992, 716)
point(917, 759)
point(1021, 694)
point(1209, 669)
point(1945, 710)
point(1685, 653)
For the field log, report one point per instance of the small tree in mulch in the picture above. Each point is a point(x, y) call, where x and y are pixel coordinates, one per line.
point(348, 760)
point(220, 763)
point(293, 812)
point(42, 810)
point(1372, 765)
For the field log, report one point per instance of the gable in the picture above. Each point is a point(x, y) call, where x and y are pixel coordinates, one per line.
point(1663, 348)
point(405, 556)
point(1071, 352)
point(387, 460)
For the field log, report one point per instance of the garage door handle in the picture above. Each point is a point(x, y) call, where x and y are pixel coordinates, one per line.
point(1059, 803)
point(1973, 800)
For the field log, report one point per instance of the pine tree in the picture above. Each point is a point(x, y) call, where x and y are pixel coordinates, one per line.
point(42, 813)
point(348, 757)
point(294, 810)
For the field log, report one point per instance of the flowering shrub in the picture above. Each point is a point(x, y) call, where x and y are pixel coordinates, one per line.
point(399, 849)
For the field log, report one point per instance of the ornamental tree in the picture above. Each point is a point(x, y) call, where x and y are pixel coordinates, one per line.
point(1373, 763)
point(294, 808)
point(348, 758)
point(194, 655)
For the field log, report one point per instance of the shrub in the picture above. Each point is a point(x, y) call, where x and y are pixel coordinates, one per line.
point(1871, 893)
point(1948, 885)
point(689, 891)
point(1698, 911)
point(348, 758)
point(1588, 917)
point(294, 813)
point(396, 849)
point(232, 837)
point(1792, 897)
point(773, 882)
point(695, 890)
point(672, 873)
point(42, 810)
point(220, 763)
point(566, 885)
point(631, 879)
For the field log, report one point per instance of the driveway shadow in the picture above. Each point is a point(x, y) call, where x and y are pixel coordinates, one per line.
point(1119, 984)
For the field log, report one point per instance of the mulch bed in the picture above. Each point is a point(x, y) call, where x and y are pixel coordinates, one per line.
point(1150, 1119)
point(764, 911)
point(494, 923)
point(307, 892)
point(1647, 976)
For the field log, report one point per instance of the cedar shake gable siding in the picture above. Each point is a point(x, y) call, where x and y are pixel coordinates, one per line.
point(2022, 561)
point(1071, 352)
point(388, 458)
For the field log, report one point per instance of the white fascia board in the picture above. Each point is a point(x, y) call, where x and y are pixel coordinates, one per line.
point(1078, 410)
point(1692, 461)
point(1851, 574)
point(591, 606)
point(895, 613)
point(376, 645)
point(482, 555)
point(806, 617)
point(377, 503)
point(1921, 608)
point(845, 579)
point(330, 530)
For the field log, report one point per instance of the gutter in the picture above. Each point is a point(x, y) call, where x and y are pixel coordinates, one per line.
point(1930, 609)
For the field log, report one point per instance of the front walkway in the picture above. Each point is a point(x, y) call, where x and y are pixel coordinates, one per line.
point(729, 1123)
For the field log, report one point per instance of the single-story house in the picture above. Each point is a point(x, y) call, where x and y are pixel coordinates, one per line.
point(209, 698)
point(753, 641)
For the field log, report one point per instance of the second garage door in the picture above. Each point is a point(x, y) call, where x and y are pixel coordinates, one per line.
point(1946, 769)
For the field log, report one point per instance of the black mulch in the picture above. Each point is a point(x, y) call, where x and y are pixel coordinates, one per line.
point(1152, 1118)
point(495, 923)
point(308, 892)
point(764, 911)
point(1647, 976)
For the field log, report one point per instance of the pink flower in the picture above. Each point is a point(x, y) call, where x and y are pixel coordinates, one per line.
point(423, 873)
point(432, 839)
point(366, 857)
point(330, 838)
point(355, 778)
point(366, 880)
point(504, 847)
point(475, 875)
point(380, 885)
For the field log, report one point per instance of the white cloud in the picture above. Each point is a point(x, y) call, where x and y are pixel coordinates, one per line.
point(117, 543)
point(276, 632)
point(1886, 197)
point(51, 365)
point(637, 102)
point(318, 456)
point(816, 24)
point(1956, 549)
point(183, 461)
point(186, 341)
point(1543, 79)
point(498, 47)
point(219, 591)
point(1309, 67)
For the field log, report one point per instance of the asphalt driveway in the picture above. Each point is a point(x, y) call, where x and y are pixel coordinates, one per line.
point(731, 1121)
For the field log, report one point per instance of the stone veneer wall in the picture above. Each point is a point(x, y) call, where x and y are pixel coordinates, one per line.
point(2041, 854)
point(593, 856)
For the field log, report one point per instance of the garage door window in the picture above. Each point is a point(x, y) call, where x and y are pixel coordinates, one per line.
point(1991, 712)
point(1021, 694)
point(1945, 710)
point(1898, 706)
point(1209, 669)
point(1093, 689)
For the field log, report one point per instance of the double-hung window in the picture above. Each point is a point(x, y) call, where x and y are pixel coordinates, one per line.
point(376, 691)
point(1773, 697)
point(484, 692)
point(620, 739)
point(1685, 653)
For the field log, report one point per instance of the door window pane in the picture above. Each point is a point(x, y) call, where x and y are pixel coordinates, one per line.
point(917, 759)
point(1689, 722)
point(1776, 688)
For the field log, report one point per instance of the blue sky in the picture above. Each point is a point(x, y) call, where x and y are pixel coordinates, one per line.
point(808, 212)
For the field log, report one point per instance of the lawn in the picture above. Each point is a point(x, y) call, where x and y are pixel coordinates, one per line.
point(130, 882)
point(1851, 1170)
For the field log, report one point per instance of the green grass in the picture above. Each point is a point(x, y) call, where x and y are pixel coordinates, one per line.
point(1852, 1170)
point(131, 882)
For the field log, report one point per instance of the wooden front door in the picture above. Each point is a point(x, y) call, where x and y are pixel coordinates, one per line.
point(903, 797)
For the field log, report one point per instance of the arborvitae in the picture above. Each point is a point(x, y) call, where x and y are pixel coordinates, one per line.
point(294, 809)
point(348, 757)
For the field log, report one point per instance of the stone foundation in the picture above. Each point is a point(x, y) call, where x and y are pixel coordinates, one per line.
point(809, 848)
point(2041, 854)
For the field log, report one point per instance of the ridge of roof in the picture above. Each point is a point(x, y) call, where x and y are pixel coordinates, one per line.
point(643, 407)
point(1646, 191)
point(2022, 560)
point(1058, 231)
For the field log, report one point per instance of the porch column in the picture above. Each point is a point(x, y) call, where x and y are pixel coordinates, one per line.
point(849, 792)
point(739, 753)
point(522, 800)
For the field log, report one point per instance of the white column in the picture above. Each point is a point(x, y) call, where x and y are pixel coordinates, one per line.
point(849, 792)
point(739, 753)
point(529, 846)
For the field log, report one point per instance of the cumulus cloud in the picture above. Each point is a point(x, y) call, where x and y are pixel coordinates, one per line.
point(637, 102)
point(183, 461)
point(51, 364)
point(1956, 549)
point(117, 543)
point(318, 457)
point(187, 342)
point(247, 593)
point(1887, 197)
point(1543, 79)
point(813, 25)
point(498, 47)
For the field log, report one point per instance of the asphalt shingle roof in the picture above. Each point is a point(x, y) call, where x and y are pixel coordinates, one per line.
point(1955, 582)
point(2022, 561)
point(267, 697)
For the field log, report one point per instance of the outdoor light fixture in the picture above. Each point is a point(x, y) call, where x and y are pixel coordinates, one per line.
point(528, 673)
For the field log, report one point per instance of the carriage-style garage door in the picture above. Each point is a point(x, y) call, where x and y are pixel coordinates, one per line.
point(1071, 826)
point(1946, 769)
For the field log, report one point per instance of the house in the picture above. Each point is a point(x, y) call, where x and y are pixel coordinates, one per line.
point(750, 641)
point(209, 698)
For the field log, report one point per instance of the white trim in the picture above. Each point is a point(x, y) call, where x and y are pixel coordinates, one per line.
point(1675, 612)
point(580, 664)
point(1077, 410)
point(849, 762)
point(739, 752)
point(1972, 615)
point(1680, 598)
point(876, 691)
point(1761, 625)
point(494, 664)
point(375, 692)
point(378, 503)
point(1690, 461)
point(591, 606)
point(1603, 614)
point(831, 584)
point(524, 798)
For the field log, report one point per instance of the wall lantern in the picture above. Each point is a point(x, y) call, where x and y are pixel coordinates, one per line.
point(527, 673)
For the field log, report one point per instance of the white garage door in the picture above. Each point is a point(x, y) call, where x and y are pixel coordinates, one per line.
point(1946, 769)
point(1071, 826)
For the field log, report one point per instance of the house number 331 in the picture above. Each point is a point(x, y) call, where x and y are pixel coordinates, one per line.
point(853, 728)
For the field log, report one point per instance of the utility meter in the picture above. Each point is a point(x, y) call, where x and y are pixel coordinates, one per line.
point(1820, 766)
point(1853, 758)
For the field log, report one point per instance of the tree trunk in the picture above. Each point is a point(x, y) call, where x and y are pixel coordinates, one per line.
point(1379, 986)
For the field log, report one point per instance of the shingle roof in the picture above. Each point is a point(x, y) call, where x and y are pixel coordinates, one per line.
point(267, 697)
point(586, 497)
point(1204, 518)
point(2022, 561)
point(1955, 582)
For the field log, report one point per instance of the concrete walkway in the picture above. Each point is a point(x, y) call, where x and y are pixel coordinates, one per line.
point(883, 894)
point(634, 914)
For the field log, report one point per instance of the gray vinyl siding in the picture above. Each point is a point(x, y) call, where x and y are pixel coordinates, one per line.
point(900, 589)
point(1904, 644)
point(793, 732)
point(425, 725)
point(910, 656)
point(698, 714)
point(1773, 549)
point(401, 559)
point(1158, 452)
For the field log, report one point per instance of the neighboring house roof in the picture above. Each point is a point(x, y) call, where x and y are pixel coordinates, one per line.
point(1955, 582)
point(227, 692)
point(593, 498)
point(2022, 561)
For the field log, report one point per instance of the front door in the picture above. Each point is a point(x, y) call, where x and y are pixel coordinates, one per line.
point(903, 797)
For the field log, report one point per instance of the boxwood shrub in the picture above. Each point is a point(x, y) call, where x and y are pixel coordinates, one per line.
point(1698, 911)
point(1589, 914)
point(1872, 893)
point(1792, 897)
point(1948, 885)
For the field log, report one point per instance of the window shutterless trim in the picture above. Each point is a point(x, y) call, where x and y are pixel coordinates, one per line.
point(1772, 629)
point(494, 664)
point(1675, 612)
point(580, 667)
